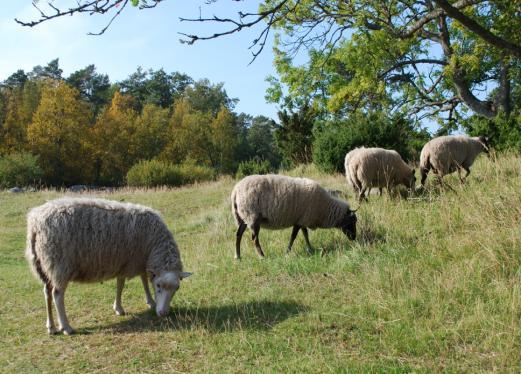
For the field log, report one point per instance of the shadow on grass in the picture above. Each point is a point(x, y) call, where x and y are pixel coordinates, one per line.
point(253, 315)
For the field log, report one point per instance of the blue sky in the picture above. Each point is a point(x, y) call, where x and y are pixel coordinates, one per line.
point(147, 38)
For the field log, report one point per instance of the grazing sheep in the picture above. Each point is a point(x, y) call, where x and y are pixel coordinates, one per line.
point(277, 202)
point(446, 154)
point(378, 167)
point(347, 160)
point(90, 240)
point(350, 180)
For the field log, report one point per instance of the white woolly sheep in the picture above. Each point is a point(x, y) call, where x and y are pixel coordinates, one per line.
point(447, 154)
point(349, 178)
point(277, 202)
point(90, 240)
point(378, 167)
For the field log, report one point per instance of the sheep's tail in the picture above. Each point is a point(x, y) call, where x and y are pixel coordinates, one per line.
point(425, 166)
point(32, 257)
point(235, 212)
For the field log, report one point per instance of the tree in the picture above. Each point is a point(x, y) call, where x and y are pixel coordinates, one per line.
point(390, 48)
point(204, 96)
point(13, 132)
point(155, 87)
point(149, 138)
point(294, 135)
point(261, 138)
point(51, 71)
point(93, 87)
point(58, 134)
point(111, 141)
point(225, 139)
point(15, 80)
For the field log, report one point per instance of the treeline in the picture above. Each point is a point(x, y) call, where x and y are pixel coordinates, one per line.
point(157, 128)
point(84, 129)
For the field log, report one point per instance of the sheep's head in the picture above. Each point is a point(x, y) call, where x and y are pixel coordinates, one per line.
point(166, 285)
point(348, 224)
point(484, 142)
point(410, 181)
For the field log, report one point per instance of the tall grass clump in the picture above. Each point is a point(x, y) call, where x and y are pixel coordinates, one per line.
point(154, 173)
point(19, 169)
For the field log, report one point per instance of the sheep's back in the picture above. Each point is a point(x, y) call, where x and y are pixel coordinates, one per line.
point(86, 243)
point(377, 166)
point(276, 201)
point(446, 152)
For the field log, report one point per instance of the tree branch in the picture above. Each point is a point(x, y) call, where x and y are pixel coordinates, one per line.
point(475, 27)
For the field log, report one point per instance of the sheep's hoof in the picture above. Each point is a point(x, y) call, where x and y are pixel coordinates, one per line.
point(238, 258)
point(151, 304)
point(52, 330)
point(68, 330)
point(119, 310)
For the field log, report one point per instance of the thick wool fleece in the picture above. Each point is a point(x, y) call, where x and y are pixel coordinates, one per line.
point(278, 201)
point(378, 167)
point(446, 154)
point(88, 240)
point(347, 161)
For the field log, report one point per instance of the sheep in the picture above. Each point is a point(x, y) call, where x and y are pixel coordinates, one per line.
point(277, 202)
point(378, 167)
point(447, 154)
point(90, 240)
point(350, 180)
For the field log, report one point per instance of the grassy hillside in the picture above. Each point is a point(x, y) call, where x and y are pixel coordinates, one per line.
point(432, 283)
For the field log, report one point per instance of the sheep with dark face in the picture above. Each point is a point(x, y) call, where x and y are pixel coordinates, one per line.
point(91, 240)
point(447, 154)
point(277, 202)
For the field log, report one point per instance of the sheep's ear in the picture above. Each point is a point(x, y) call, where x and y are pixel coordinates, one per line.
point(184, 274)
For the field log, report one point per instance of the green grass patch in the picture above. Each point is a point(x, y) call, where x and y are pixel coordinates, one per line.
point(432, 283)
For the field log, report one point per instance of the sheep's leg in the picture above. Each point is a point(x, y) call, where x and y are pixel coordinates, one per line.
point(58, 295)
point(459, 175)
point(47, 291)
point(294, 234)
point(150, 299)
point(362, 196)
point(119, 290)
point(256, 229)
point(240, 231)
point(467, 170)
point(424, 172)
point(382, 191)
point(309, 247)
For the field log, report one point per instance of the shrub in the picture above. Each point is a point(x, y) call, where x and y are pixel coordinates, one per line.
point(153, 173)
point(334, 139)
point(19, 169)
point(253, 167)
point(192, 173)
point(504, 132)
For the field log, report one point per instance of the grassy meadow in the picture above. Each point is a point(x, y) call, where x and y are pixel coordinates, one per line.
point(432, 283)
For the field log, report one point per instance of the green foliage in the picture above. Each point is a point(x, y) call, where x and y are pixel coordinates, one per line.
point(154, 173)
point(333, 139)
point(370, 57)
point(294, 135)
point(504, 132)
point(19, 169)
point(261, 138)
point(251, 167)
